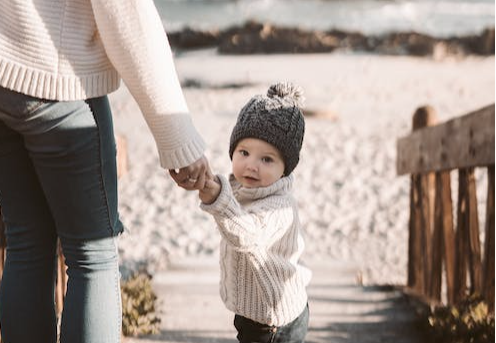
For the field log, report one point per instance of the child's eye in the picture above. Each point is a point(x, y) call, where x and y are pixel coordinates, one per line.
point(267, 159)
point(243, 153)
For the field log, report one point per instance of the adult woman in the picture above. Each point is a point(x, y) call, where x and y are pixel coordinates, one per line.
point(58, 60)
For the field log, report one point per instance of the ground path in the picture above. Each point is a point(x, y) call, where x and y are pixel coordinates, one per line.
point(341, 310)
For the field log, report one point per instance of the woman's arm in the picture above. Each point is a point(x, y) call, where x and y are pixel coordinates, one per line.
point(136, 44)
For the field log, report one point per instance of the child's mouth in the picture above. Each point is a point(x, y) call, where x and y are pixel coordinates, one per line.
point(251, 179)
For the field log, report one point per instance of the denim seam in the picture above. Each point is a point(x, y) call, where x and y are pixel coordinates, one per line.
point(100, 164)
point(119, 313)
point(117, 279)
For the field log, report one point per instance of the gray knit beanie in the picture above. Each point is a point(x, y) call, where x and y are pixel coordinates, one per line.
point(275, 118)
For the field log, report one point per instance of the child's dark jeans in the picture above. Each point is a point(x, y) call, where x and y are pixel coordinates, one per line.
point(250, 331)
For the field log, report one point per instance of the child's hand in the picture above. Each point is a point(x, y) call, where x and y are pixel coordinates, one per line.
point(211, 191)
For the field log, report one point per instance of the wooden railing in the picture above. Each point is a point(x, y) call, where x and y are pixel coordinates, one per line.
point(436, 246)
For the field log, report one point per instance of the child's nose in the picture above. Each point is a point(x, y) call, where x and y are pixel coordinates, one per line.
point(252, 165)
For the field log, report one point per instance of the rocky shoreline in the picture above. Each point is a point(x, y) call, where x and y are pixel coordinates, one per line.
point(265, 38)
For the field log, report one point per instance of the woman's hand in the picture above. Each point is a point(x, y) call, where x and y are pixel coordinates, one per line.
point(193, 177)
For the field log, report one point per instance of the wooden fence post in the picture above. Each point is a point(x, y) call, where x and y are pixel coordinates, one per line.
point(474, 257)
point(461, 239)
point(462, 143)
point(443, 238)
point(421, 204)
point(467, 237)
point(415, 271)
point(488, 269)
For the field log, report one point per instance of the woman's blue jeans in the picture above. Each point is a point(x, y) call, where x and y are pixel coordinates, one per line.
point(58, 179)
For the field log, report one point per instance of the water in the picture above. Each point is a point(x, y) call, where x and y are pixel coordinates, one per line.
point(440, 18)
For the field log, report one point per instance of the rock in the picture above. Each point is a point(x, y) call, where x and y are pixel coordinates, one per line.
point(406, 43)
point(255, 37)
point(482, 44)
point(352, 40)
point(193, 39)
point(486, 44)
point(264, 38)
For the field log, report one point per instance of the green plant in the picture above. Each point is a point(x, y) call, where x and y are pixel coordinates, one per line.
point(468, 322)
point(138, 306)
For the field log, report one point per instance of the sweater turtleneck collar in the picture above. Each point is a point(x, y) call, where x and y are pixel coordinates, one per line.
point(280, 187)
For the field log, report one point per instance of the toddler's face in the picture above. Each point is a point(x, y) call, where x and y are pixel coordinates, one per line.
point(257, 163)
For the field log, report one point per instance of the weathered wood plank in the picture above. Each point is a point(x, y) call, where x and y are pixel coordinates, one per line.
point(420, 236)
point(426, 231)
point(437, 243)
point(443, 245)
point(474, 253)
point(462, 142)
point(420, 222)
point(448, 234)
point(488, 279)
point(415, 266)
point(461, 240)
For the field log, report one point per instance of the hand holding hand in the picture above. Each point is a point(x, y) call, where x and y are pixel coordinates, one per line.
point(211, 191)
point(192, 177)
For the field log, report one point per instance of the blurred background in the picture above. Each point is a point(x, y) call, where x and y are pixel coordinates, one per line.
point(440, 18)
point(365, 67)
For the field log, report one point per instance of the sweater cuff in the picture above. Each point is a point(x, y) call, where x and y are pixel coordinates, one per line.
point(178, 142)
point(221, 204)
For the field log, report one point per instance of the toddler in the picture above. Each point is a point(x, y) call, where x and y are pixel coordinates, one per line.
point(262, 281)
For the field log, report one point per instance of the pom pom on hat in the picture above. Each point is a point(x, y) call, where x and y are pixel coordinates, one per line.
point(287, 91)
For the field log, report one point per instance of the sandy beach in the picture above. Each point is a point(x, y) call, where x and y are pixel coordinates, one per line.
point(353, 206)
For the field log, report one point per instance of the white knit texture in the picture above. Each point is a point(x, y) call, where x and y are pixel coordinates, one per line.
point(261, 277)
point(77, 49)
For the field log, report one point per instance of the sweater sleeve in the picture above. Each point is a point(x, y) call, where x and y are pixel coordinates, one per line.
point(249, 230)
point(136, 44)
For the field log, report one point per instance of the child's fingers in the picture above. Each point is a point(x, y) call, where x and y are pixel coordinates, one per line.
point(200, 183)
point(210, 183)
point(213, 184)
point(210, 175)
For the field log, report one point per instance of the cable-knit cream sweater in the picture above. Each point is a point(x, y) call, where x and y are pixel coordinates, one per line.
point(261, 277)
point(79, 49)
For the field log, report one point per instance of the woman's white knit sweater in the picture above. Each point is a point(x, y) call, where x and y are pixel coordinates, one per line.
point(261, 277)
point(79, 49)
